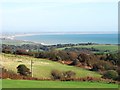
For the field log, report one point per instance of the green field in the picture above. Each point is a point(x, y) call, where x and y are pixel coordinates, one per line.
point(42, 67)
point(99, 47)
point(54, 84)
point(15, 42)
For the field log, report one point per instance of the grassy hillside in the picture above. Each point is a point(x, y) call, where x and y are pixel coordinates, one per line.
point(99, 47)
point(54, 84)
point(42, 67)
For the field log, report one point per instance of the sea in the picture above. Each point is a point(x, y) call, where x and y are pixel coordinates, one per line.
point(54, 39)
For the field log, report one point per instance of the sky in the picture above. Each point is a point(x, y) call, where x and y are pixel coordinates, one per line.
point(59, 16)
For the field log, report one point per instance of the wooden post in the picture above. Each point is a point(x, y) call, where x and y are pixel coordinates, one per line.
point(31, 69)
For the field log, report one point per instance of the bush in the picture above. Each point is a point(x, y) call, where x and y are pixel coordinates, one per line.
point(114, 58)
point(23, 70)
point(69, 74)
point(7, 50)
point(118, 71)
point(102, 66)
point(59, 75)
point(21, 52)
point(75, 62)
point(110, 74)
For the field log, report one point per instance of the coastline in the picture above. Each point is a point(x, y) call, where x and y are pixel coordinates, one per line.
point(47, 33)
point(13, 37)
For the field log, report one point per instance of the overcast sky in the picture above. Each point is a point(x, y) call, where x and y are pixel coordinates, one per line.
point(59, 16)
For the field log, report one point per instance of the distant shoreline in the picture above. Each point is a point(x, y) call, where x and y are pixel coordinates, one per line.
point(13, 37)
point(49, 33)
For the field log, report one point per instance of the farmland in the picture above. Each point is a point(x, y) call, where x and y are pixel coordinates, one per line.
point(15, 42)
point(111, 48)
point(42, 67)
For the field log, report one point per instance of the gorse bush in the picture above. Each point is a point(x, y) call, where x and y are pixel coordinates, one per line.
point(110, 74)
point(102, 66)
point(7, 50)
point(9, 74)
point(69, 74)
point(118, 71)
point(23, 70)
point(62, 75)
point(75, 62)
point(114, 58)
point(56, 74)
point(21, 52)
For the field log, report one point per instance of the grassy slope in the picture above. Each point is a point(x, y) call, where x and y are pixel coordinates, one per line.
point(54, 84)
point(15, 42)
point(42, 67)
point(100, 47)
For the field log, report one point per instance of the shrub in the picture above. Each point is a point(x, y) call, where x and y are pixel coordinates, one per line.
point(75, 62)
point(69, 74)
point(118, 70)
point(63, 55)
point(72, 55)
point(56, 74)
point(21, 52)
point(23, 70)
point(114, 58)
point(87, 59)
point(35, 54)
point(102, 66)
point(59, 75)
point(110, 74)
point(7, 50)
